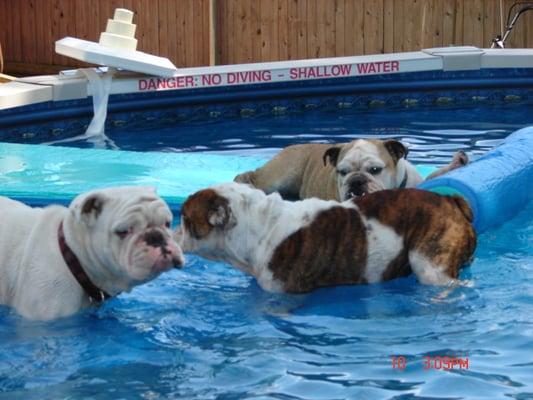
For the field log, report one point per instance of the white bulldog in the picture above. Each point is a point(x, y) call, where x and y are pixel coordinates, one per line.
point(55, 261)
point(299, 246)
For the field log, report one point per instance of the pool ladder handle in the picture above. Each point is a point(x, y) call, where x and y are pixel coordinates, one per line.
point(499, 41)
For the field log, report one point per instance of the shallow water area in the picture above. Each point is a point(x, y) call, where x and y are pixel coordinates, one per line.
point(209, 332)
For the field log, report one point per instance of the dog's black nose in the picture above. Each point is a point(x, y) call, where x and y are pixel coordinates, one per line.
point(357, 185)
point(177, 262)
point(154, 238)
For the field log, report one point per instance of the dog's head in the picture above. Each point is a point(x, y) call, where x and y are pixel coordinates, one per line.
point(208, 216)
point(126, 231)
point(366, 166)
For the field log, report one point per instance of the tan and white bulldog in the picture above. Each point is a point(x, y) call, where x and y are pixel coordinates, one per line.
point(56, 260)
point(341, 171)
point(299, 246)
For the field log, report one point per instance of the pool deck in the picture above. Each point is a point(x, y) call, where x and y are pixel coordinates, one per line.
point(72, 84)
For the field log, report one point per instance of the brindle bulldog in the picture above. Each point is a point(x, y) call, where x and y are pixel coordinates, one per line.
point(299, 246)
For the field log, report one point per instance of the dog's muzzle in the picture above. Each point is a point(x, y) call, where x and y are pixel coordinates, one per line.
point(356, 186)
point(156, 238)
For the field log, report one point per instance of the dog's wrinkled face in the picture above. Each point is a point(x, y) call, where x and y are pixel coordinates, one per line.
point(366, 166)
point(127, 231)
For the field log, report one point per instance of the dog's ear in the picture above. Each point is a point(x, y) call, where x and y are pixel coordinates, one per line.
point(331, 155)
point(219, 212)
point(396, 149)
point(87, 208)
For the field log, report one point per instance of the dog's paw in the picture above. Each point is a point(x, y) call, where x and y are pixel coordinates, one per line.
point(453, 284)
point(245, 177)
point(460, 159)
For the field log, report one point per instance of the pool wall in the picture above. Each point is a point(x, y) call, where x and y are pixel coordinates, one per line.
point(441, 76)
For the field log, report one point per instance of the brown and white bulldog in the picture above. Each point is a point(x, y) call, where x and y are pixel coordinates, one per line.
point(56, 260)
point(341, 171)
point(299, 246)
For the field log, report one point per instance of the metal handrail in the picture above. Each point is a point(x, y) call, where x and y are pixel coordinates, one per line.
point(499, 41)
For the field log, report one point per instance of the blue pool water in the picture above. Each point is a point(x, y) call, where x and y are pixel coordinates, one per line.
point(209, 332)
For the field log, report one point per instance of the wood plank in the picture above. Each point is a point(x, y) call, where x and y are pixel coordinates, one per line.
point(350, 28)
point(529, 29)
point(321, 27)
point(414, 33)
point(56, 15)
point(328, 27)
point(191, 40)
point(373, 23)
point(354, 27)
point(448, 22)
point(340, 12)
point(141, 17)
point(313, 45)
point(68, 28)
point(436, 23)
point(229, 32)
point(472, 23)
point(201, 43)
point(152, 19)
point(4, 33)
point(163, 32)
point(388, 26)
point(42, 27)
point(274, 35)
point(180, 32)
point(293, 22)
point(171, 32)
point(269, 31)
point(399, 25)
point(87, 20)
point(244, 34)
point(48, 35)
point(220, 31)
point(257, 40)
point(425, 24)
point(302, 30)
point(283, 30)
point(28, 34)
point(15, 50)
point(209, 32)
point(459, 20)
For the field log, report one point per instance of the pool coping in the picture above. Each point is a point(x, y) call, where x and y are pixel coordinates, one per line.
point(72, 84)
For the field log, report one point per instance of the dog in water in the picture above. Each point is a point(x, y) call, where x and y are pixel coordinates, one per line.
point(56, 260)
point(341, 171)
point(299, 246)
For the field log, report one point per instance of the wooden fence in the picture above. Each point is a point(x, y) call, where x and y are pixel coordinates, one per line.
point(193, 32)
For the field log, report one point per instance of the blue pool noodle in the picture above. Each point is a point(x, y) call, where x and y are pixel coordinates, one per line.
point(497, 185)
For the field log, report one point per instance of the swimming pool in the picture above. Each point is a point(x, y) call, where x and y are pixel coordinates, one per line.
point(210, 332)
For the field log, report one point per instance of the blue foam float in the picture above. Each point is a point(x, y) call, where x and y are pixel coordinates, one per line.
point(497, 185)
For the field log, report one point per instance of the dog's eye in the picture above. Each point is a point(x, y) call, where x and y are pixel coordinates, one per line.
point(167, 224)
point(342, 172)
point(375, 170)
point(122, 233)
